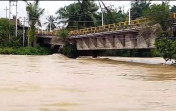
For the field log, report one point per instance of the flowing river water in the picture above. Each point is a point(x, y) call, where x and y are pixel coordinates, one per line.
point(57, 83)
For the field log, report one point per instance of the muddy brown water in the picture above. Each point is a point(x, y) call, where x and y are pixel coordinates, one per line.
point(56, 83)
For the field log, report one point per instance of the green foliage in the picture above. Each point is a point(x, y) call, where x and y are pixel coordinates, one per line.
point(138, 7)
point(6, 28)
point(31, 35)
point(159, 13)
point(70, 51)
point(16, 42)
point(173, 9)
point(25, 51)
point(167, 48)
point(63, 34)
point(118, 15)
point(78, 15)
point(51, 21)
point(34, 13)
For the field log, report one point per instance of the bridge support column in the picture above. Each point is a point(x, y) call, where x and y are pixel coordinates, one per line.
point(152, 41)
point(100, 42)
point(119, 42)
point(110, 43)
point(130, 41)
point(85, 43)
point(79, 44)
point(141, 42)
point(93, 43)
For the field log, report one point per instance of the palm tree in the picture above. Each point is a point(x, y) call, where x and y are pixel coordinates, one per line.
point(51, 21)
point(34, 13)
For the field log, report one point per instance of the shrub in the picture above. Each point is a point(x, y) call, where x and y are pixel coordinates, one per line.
point(63, 34)
point(70, 50)
point(6, 28)
point(25, 51)
point(167, 48)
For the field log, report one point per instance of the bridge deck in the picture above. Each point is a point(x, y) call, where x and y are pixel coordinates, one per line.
point(131, 30)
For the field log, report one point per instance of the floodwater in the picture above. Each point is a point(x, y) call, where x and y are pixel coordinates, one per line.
point(56, 83)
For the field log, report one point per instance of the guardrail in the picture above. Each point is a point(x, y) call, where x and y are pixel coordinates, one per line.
point(109, 27)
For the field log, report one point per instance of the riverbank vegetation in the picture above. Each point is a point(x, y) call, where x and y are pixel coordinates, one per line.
point(12, 44)
point(25, 51)
point(34, 14)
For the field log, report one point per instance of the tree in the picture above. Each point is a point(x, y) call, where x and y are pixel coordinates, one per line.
point(78, 15)
point(173, 9)
point(34, 13)
point(51, 21)
point(118, 15)
point(159, 13)
point(6, 28)
point(138, 7)
point(167, 48)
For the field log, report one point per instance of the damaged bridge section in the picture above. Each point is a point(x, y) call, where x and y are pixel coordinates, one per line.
point(133, 38)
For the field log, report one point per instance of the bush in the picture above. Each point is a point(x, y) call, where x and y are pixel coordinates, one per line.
point(70, 50)
point(6, 28)
point(167, 48)
point(63, 34)
point(25, 51)
point(16, 42)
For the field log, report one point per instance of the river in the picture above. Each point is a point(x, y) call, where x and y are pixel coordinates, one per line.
point(57, 83)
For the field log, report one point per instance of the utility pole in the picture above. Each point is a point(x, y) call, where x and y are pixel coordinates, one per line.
point(16, 19)
point(9, 8)
point(16, 29)
point(6, 9)
point(28, 30)
point(24, 21)
point(129, 15)
point(102, 19)
point(50, 26)
point(9, 16)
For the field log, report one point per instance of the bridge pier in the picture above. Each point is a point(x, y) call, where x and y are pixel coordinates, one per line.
point(130, 41)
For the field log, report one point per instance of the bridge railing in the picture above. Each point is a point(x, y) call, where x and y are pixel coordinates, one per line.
point(45, 33)
point(109, 27)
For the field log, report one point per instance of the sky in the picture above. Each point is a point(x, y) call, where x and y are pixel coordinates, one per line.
point(52, 6)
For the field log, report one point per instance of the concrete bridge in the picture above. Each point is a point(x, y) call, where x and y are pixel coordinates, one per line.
point(137, 35)
point(130, 38)
point(106, 37)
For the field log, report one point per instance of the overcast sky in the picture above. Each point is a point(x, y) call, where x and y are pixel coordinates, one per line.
point(52, 6)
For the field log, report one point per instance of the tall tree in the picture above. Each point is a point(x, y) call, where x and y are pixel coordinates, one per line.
point(51, 21)
point(118, 15)
point(173, 9)
point(137, 8)
point(159, 13)
point(6, 28)
point(34, 13)
point(78, 15)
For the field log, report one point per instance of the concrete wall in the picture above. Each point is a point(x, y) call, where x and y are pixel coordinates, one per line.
point(116, 41)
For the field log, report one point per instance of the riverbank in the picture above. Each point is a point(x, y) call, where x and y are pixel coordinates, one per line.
point(25, 51)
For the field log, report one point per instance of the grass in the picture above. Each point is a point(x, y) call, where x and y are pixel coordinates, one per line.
point(25, 51)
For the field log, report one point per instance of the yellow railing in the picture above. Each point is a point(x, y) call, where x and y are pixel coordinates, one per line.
point(109, 27)
point(174, 15)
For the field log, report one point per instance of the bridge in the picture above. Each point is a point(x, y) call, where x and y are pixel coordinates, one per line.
point(137, 35)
